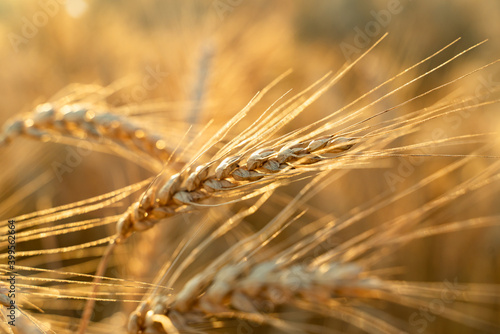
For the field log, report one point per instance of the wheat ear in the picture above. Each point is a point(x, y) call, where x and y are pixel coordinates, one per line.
point(85, 121)
point(177, 195)
point(256, 288)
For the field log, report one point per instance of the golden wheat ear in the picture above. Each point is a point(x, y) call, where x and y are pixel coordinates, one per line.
point(226, 174)
point(230, 178)
point(91, 123)
point(238, 168)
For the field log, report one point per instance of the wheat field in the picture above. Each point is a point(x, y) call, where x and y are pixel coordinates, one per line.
point(233, 166)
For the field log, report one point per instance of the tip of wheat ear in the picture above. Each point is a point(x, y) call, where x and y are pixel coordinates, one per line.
point(165, 199)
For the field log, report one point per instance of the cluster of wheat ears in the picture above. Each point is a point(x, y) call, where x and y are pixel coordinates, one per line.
point(297, 269)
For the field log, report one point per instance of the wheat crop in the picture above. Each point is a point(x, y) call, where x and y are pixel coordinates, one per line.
point(365, 202)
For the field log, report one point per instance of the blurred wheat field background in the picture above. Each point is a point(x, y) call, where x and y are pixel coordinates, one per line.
point(397, 234)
